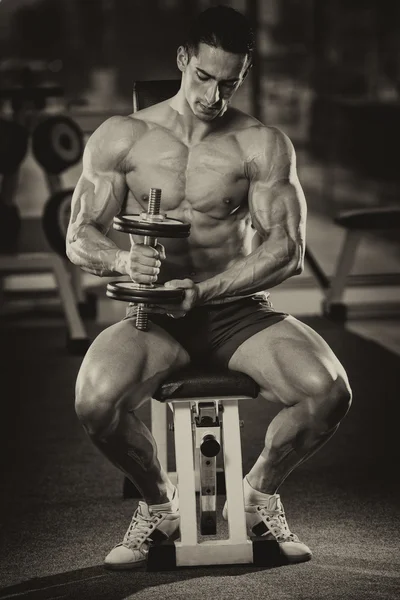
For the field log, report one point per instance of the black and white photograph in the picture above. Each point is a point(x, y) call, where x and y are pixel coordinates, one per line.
point(199, 299)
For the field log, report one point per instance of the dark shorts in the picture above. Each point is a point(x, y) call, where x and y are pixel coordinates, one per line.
point(213, 332)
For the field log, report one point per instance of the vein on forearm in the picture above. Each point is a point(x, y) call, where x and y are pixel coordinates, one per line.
point(94, 252)
point(87, 243)
point(260, 270)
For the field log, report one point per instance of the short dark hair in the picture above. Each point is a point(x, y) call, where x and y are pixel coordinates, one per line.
point(222, 27)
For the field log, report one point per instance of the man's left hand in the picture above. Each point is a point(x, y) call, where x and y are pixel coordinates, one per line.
point(176, 311)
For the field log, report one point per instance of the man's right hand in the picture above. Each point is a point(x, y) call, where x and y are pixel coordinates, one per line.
point(142, 263)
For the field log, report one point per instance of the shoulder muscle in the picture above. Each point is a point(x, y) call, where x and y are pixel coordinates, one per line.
point(109, 145)
point(272, 158)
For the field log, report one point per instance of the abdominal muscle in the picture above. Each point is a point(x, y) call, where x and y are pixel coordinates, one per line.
point(210, 249)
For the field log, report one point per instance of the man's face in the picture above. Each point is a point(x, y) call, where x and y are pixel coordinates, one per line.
point(210, 79)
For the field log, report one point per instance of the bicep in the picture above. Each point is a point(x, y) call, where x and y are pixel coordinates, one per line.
point(101, 189)
point(276, 199)
point(97, 199)
point(278, 210)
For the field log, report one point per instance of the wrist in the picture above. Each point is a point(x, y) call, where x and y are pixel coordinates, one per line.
point(121, 262)
point(202, 296)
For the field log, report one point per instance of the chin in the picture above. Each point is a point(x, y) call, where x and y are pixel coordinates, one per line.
point(204, 115)
point(207, 118)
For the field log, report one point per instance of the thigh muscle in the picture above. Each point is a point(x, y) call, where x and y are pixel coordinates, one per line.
point(289, 360)
point(123, 360)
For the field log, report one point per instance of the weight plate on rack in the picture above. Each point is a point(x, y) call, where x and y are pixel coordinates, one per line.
point(13, 145)
point(57, 143)
point(55, 219)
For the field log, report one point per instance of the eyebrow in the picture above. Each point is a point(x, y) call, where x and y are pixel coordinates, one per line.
point(233, 80)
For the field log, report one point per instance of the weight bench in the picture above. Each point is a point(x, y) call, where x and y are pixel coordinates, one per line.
point(357, 223)
point(205, 410)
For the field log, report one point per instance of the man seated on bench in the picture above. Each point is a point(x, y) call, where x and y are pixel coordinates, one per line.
point(224, 172)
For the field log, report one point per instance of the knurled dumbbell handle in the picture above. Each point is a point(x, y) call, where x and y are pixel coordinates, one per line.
point(142, 321)
point(153, 209)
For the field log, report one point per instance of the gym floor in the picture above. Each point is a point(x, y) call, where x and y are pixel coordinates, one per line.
point(62, 506)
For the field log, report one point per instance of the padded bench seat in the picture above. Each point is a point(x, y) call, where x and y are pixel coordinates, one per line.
point(195, 382)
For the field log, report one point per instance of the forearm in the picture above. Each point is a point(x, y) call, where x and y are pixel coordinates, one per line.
point(261, 270)
point(91, 250)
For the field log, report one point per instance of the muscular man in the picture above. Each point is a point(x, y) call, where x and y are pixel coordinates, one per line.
point(225, 173)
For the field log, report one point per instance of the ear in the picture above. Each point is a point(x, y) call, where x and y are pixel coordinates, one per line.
point(182, 58)
point(247, 71)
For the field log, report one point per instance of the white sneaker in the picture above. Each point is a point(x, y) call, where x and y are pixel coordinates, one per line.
point(147, 527)
point(268, 520)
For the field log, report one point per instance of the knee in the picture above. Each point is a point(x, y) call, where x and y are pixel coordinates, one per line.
point(330, 399)
point(96, 402)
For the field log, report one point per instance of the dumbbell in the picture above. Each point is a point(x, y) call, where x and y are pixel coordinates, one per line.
point(152, 225)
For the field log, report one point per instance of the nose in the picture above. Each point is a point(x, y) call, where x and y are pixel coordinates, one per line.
point(212, 95)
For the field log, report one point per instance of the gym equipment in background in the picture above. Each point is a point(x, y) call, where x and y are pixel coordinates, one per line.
point(357, 223)
point(13, 148)
point(57, 144)
point(55, 219)
point(28, 99)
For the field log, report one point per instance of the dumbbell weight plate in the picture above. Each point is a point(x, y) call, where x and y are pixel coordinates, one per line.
point(55, 219)
point(167, 228)
point(13, 145)
point(57, 143)
point(128, 291)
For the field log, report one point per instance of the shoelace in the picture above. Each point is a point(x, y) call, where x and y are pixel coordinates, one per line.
point(277, 524)
point(139, 529)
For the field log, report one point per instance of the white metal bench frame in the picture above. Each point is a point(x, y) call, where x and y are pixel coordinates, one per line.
point(237, 548)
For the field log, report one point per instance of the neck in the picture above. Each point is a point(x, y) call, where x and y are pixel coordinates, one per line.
point(192, 128)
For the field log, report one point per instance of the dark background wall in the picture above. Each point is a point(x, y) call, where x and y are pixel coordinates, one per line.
point(342, 46)
point(354, 45)
point(136, 38)
point(328, 73)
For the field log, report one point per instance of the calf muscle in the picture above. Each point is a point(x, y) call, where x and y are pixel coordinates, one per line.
point(122, 370)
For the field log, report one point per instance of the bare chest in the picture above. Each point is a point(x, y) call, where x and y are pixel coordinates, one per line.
point(207, 178)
